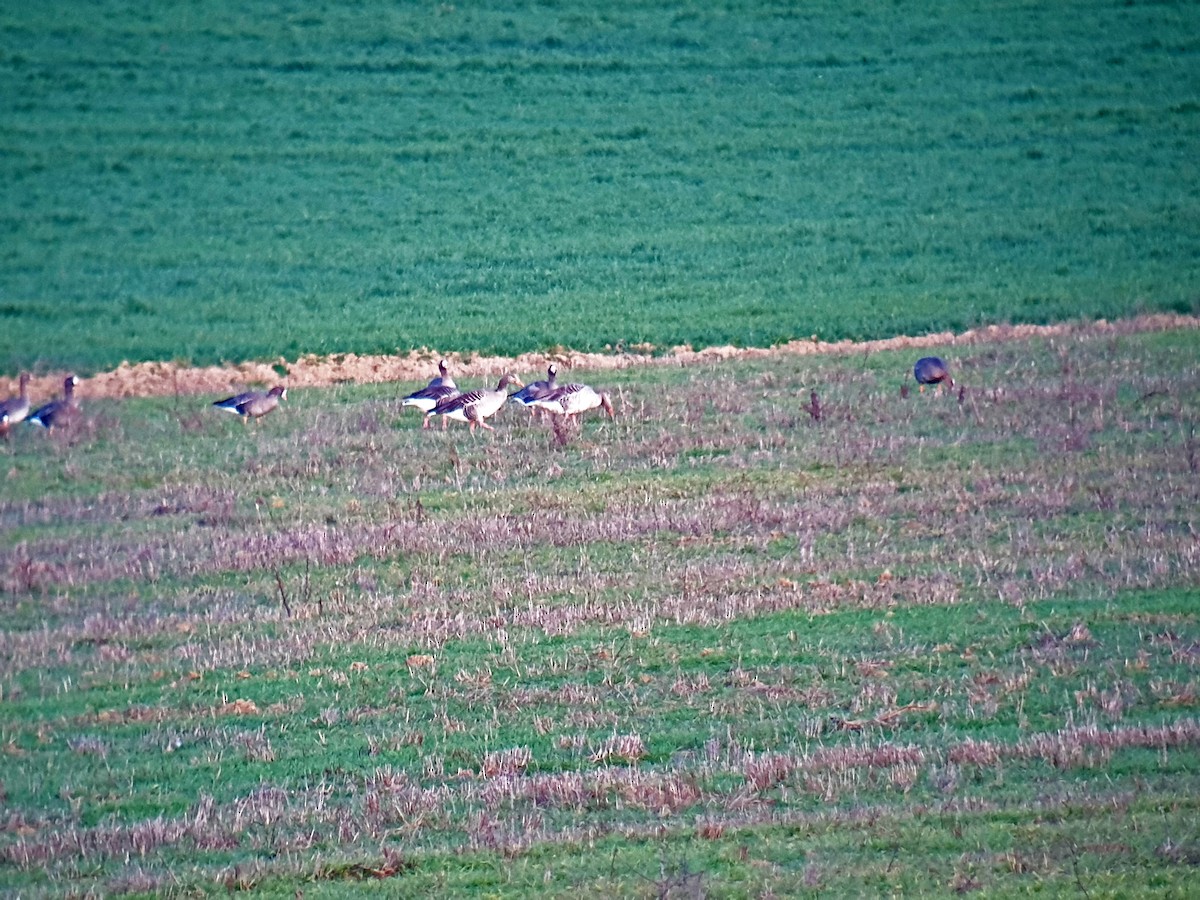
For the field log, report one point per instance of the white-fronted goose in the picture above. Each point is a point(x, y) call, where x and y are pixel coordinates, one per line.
point(573, 399)
point(537, 389)
point(57, 412)
point(15, 409)
point(253, 404)
point(475, 406)
point(440, 388)
point(932, 370)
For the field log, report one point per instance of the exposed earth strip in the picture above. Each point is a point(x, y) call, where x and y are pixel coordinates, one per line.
point(148, 379)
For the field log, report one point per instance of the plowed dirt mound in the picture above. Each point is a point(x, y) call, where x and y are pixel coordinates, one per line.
point(161, 378)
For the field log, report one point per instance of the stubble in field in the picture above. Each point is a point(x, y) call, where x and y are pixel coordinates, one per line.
point(716, 641)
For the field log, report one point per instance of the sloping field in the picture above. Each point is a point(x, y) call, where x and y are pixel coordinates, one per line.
point(251, 180)
point(785, 626)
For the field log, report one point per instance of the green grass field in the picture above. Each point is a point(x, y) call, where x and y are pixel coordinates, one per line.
point(720, 646)
point(228, 181)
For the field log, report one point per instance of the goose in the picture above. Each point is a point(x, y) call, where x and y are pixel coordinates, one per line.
point(537, 389)
point(15, 409)
point(57, 412)
point(440, 388)
point(573, 399)
point(932, 370)
point(475, 406)
point(443, 376)
point(253, 404)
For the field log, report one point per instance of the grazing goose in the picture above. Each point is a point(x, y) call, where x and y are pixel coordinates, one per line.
point(537, 389)
point(253, 404)
point(932, 370)
point(475, 406)
point(57, 412)
point(440, 388)
point(573, 399)
point(15, 409)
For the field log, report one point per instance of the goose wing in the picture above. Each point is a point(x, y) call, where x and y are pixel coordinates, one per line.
point(457, 402)
point(235, 403)
point(930, 370)
point(429, 396)
point(48, 414)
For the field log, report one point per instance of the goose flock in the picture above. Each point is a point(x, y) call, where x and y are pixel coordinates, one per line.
point(440, 397)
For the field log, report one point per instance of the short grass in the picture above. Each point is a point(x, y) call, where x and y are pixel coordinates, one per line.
point(719, 646)
point(256, 180)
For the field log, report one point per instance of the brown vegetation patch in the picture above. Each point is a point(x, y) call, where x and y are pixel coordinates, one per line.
point(157, 379)
point(1088, 745)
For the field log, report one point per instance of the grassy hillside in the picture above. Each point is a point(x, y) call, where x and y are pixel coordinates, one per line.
point(249, 180)
point(728, 644)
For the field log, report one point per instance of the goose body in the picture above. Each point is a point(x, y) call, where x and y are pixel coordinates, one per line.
point(573, 399)
point(932, 370)
point(475, 406)
point(428, 397)
point(15, 409)
point(440, 388)
point(253, 404)
point(535, 390)
point(57, 412)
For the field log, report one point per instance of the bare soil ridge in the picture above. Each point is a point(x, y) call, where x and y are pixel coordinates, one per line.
point(149, 379)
